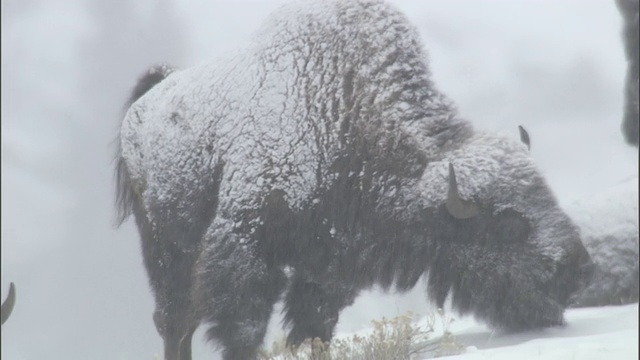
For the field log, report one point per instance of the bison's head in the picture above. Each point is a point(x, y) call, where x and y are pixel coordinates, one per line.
point(501, 244)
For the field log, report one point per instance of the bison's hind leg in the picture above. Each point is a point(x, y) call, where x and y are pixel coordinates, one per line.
point(173, 316)
point(235, 292)
point(169, 268)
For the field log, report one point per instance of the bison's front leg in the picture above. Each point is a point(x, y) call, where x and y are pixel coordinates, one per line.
point(235, 290)
point(313, 307)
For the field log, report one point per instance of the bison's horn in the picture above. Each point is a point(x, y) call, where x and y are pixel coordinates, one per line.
point(7, 305)
point(524, 137)
point(459, 208)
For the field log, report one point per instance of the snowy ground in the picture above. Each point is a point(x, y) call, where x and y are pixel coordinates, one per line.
point(555, 67)
point(590, 334)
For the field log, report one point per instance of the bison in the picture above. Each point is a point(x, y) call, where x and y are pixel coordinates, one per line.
point(319, 161)
point(629, 10)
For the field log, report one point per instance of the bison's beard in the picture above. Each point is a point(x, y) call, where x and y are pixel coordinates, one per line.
point(510, 288)
point(491, 268)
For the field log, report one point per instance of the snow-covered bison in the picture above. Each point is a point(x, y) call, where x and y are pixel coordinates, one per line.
point(608, 221)
point(629, 9)
point(322, 160)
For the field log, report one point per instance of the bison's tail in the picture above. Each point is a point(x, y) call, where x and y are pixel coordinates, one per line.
point(124, 191)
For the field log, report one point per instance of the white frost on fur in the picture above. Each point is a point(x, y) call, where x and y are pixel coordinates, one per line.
point(273, 112)
point(267, 111)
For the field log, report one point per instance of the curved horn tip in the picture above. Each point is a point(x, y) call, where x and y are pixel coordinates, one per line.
point(524, 137)
point(458, 207)
point(7, 305)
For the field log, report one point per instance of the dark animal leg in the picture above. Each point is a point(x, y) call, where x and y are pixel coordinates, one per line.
point(241, 336)
point(235, 291)
point(243, 316)
point(175, 346)
point(313, 308)
point(173, 314)
point(185, 345)
point(170, 270)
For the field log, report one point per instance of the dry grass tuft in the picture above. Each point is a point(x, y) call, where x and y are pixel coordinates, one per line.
point(399, 338)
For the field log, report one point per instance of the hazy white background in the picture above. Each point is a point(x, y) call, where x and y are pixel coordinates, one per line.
point(555, 67)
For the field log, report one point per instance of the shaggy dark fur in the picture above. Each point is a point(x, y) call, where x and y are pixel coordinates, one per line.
point(315, 166)
point(629, 11)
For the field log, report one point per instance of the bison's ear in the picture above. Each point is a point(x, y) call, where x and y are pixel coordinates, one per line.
point(524, 137)
point(7, 305)
point(458, 207)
